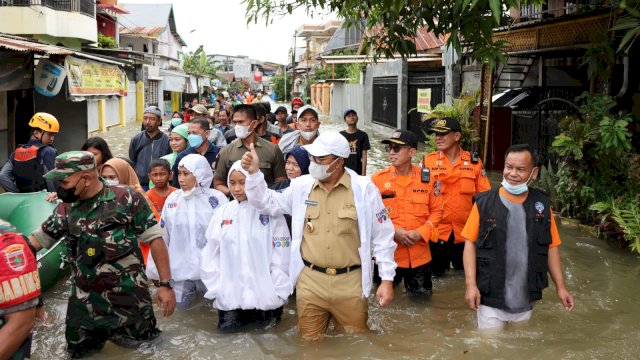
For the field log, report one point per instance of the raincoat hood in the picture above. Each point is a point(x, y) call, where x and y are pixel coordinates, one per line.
point(200, 168)
point(236, 167)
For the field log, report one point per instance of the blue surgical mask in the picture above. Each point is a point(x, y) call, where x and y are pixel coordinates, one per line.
point(517, 189)
point(195, 140)
point(176, 121)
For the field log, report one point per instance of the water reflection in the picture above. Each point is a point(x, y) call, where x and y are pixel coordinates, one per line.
point(603, 278)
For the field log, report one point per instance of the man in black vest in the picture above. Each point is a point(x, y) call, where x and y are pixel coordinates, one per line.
point(511, 244)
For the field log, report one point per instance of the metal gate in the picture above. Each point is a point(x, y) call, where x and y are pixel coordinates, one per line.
point(432, 81)
point(152, 93)
point(539, 127)
point(385, 101)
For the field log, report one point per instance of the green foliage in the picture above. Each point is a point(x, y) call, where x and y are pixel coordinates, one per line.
point(341, 71)
point(279, 87)
point(198, 64)
point(106, 42)
point(547, 182)
point(620, 218)
point(461, 109)
point(392, 25)
point(628, 24)
point(599, 56)
point(596, 157)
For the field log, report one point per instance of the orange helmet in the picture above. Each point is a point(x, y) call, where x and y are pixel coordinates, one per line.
point(45, 121)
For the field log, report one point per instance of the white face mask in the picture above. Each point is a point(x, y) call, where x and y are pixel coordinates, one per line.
point(112, 182)
point(517, 189)
point(242, 131)
point(308, 135)
point(319, 172)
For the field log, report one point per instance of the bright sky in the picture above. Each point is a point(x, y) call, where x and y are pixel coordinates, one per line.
point(220, 26)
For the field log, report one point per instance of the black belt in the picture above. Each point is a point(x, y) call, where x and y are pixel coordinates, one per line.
point(330, 271)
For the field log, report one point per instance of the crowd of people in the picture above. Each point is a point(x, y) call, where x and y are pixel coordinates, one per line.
point(246, 207)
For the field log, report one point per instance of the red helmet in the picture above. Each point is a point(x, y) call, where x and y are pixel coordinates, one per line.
point(297, 101)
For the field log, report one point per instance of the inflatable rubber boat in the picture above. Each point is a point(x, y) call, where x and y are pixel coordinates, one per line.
point(27, 212)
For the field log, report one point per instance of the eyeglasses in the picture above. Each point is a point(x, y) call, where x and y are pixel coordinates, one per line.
point(291, 163)
point(395, 147)
point(321, 159)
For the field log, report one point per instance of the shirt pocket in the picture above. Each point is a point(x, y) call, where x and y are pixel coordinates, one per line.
point(311, 219)
point(347, 220)
point(391, 204)
point(420, 204)
point(467, 182)
point(265, 167)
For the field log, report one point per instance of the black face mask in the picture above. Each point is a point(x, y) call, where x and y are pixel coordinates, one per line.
point(69, 195)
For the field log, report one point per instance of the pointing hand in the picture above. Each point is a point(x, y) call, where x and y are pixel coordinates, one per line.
point(250, 161)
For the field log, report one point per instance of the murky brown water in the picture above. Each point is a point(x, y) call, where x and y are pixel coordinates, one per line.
point(604, 324)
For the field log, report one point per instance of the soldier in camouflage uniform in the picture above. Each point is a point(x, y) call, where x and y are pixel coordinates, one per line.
point(101, 226)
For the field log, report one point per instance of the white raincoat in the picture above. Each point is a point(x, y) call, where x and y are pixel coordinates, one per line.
point(245, 264)
point(185, 217)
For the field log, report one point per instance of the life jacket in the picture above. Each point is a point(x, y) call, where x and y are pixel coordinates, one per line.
point(28, 168)
point(19, 277)
point(492, 238)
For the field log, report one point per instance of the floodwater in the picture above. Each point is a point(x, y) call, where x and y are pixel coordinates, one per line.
point(604, 324)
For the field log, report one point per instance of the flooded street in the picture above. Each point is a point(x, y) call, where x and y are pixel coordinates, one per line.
point(604, 324)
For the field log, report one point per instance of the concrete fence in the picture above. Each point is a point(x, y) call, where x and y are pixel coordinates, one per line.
point(346, 96)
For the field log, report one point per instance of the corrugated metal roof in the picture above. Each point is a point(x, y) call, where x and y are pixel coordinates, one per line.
point(20, 44)
point(147, 19)
point(16, 43)
point(426, 40)
point(140, 30)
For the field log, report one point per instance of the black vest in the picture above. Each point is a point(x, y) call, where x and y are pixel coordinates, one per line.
point(491, 249)
point(28, 168)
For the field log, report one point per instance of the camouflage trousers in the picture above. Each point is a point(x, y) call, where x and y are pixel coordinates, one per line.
point(87, 333)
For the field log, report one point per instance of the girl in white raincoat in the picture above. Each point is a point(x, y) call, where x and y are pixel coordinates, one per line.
point(245, 264)
point(185, 217)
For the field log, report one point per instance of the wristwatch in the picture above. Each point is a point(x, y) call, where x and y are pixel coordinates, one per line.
point(168, 284)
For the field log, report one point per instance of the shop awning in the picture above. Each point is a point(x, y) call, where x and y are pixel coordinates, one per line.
point(175, 81)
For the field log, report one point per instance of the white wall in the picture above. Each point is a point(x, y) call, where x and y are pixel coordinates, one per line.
point(35, 20)
point(112, 112)
point(347, 96)
point(130, 103)
point(137, 43)
point(92, 115)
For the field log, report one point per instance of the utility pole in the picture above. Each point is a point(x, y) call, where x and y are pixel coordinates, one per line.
point(293, 64)
point(285, 84)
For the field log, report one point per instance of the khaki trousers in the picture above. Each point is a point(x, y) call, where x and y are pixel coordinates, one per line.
point(321, 298)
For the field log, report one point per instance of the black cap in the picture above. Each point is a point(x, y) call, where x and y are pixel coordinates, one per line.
point(402, 137)
point(281, 109)
point(442, 126)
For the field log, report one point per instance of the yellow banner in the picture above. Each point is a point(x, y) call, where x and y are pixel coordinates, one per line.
point(86, 77)
point(424, 100)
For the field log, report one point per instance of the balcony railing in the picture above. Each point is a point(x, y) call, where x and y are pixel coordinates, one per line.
point(555, 9)
point(85, 7)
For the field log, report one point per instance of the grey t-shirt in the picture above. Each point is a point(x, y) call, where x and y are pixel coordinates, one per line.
point(516, 294)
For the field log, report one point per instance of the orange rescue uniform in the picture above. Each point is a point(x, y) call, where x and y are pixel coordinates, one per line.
point(457, 183)
point(412, 205)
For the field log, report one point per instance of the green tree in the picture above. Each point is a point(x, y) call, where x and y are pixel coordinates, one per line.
point(198, 64)
point(393, 24)
point(279, 87)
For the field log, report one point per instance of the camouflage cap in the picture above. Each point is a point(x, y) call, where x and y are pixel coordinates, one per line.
point(71, 162)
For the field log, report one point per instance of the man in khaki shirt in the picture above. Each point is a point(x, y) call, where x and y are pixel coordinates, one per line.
point(338, 223)
point(245, 121)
